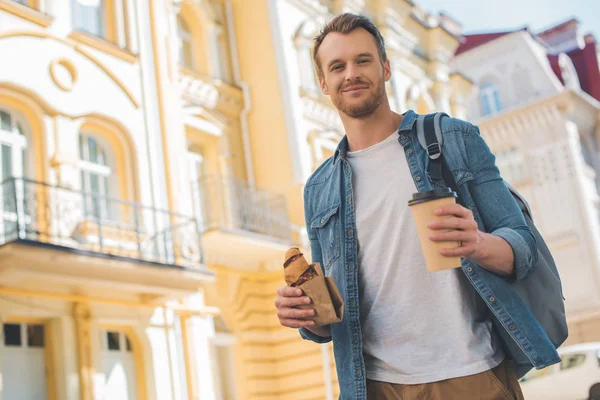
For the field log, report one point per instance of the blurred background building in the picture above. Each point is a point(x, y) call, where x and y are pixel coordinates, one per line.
point(153, 158)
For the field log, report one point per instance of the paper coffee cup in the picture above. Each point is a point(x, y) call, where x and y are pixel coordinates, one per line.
point(423, 205)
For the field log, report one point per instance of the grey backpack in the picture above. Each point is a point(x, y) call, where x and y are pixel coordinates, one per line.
point(549, 308)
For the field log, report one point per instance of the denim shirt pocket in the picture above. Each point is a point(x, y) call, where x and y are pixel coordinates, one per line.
point(326, 226)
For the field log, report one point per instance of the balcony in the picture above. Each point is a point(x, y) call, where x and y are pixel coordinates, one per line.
point(243, 227)
point(55, 232)
point(198, 90)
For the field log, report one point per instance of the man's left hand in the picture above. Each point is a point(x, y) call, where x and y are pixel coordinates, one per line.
point(461, 226)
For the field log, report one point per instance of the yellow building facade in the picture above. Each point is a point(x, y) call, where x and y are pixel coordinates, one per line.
point(153, 156)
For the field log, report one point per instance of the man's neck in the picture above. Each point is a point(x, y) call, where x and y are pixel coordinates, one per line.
point(364, 133)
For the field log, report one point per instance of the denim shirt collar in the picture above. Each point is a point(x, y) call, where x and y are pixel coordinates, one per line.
point(407, 124)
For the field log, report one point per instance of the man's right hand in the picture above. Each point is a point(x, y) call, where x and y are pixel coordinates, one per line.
point(287, 299)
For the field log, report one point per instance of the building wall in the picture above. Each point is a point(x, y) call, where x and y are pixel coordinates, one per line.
point(247, 104)
point(543, 147)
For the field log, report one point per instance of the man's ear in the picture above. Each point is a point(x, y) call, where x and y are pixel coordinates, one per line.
point(387, 70)
point(323, 85)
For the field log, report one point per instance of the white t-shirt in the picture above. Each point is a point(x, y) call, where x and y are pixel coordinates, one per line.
point(418, 326)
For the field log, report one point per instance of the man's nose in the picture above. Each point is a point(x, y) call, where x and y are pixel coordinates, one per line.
point(352, 72)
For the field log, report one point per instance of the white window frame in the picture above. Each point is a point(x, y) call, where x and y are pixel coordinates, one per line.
point(89, 168)
point(489, 92)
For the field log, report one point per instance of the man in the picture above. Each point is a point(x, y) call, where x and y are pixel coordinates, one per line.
point(407, 333)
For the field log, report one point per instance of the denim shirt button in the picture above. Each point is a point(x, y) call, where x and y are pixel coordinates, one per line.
point(350, 232)
point(322, 220)
point(402, 137)
point(492, 299)
point(409, 152)
point(512, 327)
point(418, 178)
point(469, 269)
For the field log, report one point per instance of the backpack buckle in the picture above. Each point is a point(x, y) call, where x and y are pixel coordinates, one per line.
point(434, 151)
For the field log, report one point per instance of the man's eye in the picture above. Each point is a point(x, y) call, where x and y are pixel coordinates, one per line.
point(337, 67)
point(363, 61)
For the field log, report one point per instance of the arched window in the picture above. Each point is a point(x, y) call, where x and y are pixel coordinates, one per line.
point(489, 98)
point(186, 44)
point(14, 163)
point(13, 143)
point(96, 173)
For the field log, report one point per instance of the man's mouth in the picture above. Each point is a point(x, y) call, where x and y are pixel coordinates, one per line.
point(355, 89)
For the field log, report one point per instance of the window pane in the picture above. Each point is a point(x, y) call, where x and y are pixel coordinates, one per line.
point(113, 341)
point(81, 153)
point(498, 104)
point(7, 171)
point(12, 335)
point(23, 170)
point(485, 105)
point(87, 16)
point(92, 150)
point(35, 335)
point(95, 189)
point(20, 129)
point(5, 121)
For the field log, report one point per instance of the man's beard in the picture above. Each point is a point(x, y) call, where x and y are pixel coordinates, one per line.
point(363, 110)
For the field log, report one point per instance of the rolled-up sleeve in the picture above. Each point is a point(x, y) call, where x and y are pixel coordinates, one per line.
point(308, 335)
point(499, 211)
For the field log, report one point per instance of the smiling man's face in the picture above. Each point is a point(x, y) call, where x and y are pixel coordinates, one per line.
point(352, 72)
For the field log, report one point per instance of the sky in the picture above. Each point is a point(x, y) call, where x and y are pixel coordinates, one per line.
point(499, 15)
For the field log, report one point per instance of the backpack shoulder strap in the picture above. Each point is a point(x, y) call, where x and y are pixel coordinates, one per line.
point(430, 137)
point(429, 133)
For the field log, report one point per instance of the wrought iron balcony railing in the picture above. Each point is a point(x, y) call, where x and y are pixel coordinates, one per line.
point(229, 203)
point(44, 213)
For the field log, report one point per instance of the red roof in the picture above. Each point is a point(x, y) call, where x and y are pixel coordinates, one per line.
point(562, 26)
point(586, 64)
point(475, 40)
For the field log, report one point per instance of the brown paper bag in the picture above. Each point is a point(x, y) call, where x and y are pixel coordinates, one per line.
point(326, 299)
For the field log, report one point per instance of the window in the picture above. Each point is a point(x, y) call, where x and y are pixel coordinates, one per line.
point(186, 44)
point(88, 16)
point(223, 65)
point(24, 335)
point(115, 341)
point(303, 43)
point(95, 174)
point(571, 361)
point(490, 99)
point(13, 142)
point(195, 167)
point(13, 145)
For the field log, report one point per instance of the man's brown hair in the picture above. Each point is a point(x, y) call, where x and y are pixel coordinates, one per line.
point(346, 23)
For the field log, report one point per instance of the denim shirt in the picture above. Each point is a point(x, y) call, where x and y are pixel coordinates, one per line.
point(331, 224)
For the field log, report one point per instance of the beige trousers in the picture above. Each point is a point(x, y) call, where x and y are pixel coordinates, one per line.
point(499, 383)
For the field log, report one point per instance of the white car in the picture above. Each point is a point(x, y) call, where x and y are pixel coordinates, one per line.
point(577, 377)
